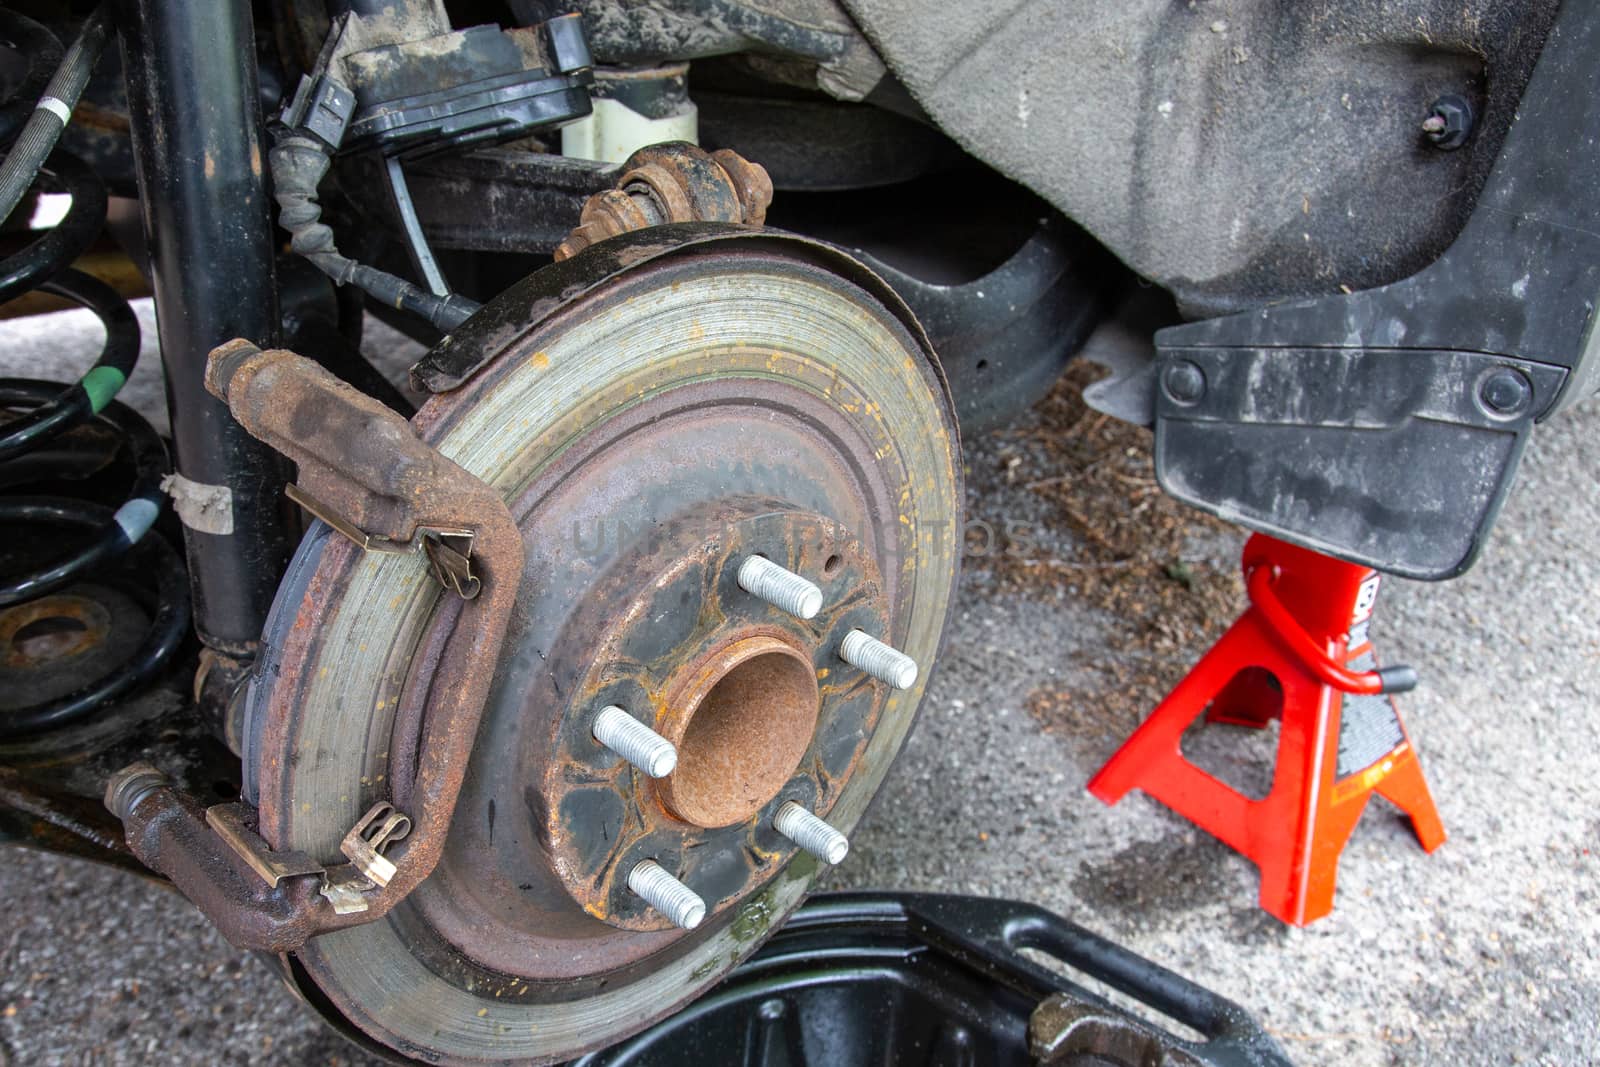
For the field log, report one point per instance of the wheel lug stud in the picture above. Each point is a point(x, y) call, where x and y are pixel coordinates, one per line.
point(780, 587)
point(884, 662)
point(634, 741)
point(666, 894)
point(811, 833)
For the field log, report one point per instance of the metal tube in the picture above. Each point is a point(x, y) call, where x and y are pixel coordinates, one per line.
point(198, 152)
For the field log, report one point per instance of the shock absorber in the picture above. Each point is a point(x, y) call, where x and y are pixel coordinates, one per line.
point(34, 413)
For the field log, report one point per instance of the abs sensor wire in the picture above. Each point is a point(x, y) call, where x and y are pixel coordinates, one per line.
point(43, 411)
point(299, 162)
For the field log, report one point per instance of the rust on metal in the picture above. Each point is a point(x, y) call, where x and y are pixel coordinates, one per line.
point(673, 182)
point(600, 449)
point(741, 719)
point(50, 629)
point(362, 461)
point(742, 688)
point(57, 821)
point(167, 829)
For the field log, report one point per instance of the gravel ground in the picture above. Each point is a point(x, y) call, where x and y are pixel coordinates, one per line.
point(1487, 952)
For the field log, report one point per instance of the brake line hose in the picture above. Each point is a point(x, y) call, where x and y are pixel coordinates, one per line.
point(41, 51)
point(52, 112)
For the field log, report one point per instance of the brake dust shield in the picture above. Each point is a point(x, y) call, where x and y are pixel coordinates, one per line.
point(649, 433)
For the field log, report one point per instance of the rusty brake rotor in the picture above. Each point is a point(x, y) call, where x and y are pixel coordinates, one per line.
point(673, 418)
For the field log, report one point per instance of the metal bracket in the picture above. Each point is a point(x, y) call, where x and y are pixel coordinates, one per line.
point(344, 886)
point(379, 828)
point(273, 867)
point(449, 549)
point(364, 471)
point(346, 889)
point(353, 533)
point(449, 552)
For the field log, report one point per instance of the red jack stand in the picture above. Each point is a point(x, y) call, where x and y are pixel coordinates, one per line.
point(1300, 654)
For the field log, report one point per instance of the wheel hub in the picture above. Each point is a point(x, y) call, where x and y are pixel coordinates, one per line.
point(756, 702)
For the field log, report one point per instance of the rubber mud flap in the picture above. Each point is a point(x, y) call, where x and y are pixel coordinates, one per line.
point(1390, 458)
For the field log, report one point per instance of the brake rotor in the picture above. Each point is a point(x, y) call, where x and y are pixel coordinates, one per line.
point(657, 430)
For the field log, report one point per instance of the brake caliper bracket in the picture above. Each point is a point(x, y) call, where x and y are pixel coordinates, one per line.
point(364, 471)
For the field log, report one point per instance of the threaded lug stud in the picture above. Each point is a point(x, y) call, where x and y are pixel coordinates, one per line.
point(666, 894)
point(884, 662)
point(811, 833)
point(634, 741)
point(780, 587)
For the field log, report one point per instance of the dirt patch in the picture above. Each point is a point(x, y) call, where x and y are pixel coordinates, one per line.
point(1111, 696)
point(1165, 575)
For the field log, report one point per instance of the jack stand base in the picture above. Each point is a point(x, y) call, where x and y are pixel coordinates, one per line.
point(1301, 655)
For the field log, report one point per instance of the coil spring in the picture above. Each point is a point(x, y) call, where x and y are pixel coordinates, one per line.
point(44, 411)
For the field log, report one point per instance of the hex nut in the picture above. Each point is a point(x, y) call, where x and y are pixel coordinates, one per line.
point(1449, 122)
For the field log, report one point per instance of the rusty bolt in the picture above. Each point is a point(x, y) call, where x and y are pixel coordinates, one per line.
point(634, 741)
point(883, 662)
point(811, 833)
point(666, 894)
point(782, 588)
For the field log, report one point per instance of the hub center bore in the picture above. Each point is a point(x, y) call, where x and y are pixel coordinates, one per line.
point(742, 720)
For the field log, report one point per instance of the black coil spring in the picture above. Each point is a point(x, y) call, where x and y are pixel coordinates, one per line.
point(40, 412)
